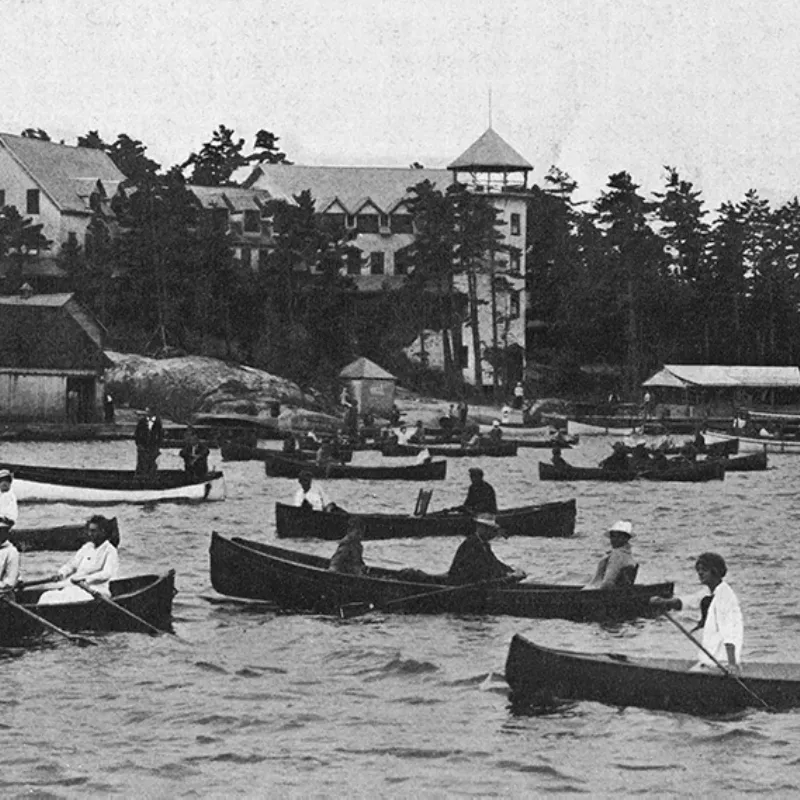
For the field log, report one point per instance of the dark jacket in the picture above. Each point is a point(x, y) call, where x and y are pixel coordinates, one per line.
point(474, 561)
point(146, 437)
point(481, 498)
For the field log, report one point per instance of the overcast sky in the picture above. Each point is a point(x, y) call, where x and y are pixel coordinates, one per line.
point(593, 86)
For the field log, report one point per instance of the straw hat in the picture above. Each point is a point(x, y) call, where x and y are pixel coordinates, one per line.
point(622, 526)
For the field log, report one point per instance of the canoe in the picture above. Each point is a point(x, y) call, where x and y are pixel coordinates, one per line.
point(147, 596)
point(753, 444)
point(550, 519)
point(715, 450)
point(485, 450)
point(564, 443)
point(302, 582)
point(576, 428)
point(232, 451)
point(750, 462)
point(34, 484)
point(283, 467)
point(59, 537)
point(691, 473)
point(540, 676)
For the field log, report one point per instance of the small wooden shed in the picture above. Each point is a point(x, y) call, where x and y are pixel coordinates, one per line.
point(52, 360)
point(370, 386)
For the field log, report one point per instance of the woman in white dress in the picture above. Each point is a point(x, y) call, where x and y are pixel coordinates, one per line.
point(96, 563)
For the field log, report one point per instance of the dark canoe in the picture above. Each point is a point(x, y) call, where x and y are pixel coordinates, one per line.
point(697, 472)
point(714, 450)
point(540, 676)
point(239, 452)
point(545, 444)
point(60, 537)
point(549, 472)
point(693, 473)
point(147, 596)
point(302, 582)
point(499, 450)
point(283, 467)
point(750, 462)
point(549, 519)
point(64, 484)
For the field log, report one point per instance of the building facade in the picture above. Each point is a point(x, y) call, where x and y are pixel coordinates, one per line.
point(57, 186)
point(372, 202)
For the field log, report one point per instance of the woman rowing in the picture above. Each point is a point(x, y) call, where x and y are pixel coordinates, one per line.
point(720, 614)
point(96, 563)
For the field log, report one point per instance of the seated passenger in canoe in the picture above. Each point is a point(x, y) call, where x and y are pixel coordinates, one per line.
point(640, 459)
point(349, 555)
point(496, 433)
point(481, 498)
point(8, 501)
point(418, 436)
point(194, 454)
point(557, 459)
point(617, 567)
point(311, 497)
point(720, 614)
point(96, 563)
point(617, 461)
point(9, 561)
point(475, 561)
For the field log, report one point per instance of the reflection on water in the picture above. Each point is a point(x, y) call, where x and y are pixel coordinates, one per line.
point(263, 702)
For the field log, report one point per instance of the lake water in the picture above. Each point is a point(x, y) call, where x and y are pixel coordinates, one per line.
point(253, 703)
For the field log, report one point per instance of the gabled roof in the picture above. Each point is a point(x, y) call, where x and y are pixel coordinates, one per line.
point(65, 174)
point(385, 187)
point(234, 198)
point(364, 368)
point(685, 376)
point(490, 152)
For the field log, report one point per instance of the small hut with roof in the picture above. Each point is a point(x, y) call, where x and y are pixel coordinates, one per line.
point(52, 360)
point(370, 386)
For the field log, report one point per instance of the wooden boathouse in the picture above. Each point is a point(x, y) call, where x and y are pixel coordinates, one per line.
point(52, 360)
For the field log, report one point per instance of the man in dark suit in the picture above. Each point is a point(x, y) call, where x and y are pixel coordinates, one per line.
point(148, 436)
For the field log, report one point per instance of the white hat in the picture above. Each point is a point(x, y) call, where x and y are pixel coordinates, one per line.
point(622, 526)
point(6, 474)
point(496, 423)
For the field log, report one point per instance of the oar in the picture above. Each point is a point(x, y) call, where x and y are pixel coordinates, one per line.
point(356, 609)
point(152, 629)
point(45, 623)
point(724, 669)
point(37, 582)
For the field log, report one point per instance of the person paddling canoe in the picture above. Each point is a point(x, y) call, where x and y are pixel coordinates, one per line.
point(720, 614)
point(475, 561)
point(617, 567)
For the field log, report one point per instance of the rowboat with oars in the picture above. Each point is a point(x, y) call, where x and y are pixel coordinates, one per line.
point(296, 581)
point(546, 519)
point(540, 676)
point(147, 596)
point(33, 484)
point(283, 467)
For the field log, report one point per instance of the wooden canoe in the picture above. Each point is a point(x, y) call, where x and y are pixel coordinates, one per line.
point(238, 452)
point(302, 582)
point(749, 462)
point(691, 473)
point(483, 450)
point(577, 428)
point(283, 467)
point(34, 484)
point(753, 444)
point(147, 596)
point(59, 537)
point(540, 676)
point(549, 519)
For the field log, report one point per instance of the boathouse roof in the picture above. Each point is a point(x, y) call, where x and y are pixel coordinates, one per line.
point(688, 375)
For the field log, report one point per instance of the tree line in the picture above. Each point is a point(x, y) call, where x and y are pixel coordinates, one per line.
point(626, 280)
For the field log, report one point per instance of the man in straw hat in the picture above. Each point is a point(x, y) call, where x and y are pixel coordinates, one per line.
point(9, 555)
point(617, 567)
point(474, 560)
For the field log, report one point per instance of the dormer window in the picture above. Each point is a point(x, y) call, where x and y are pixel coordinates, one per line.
point(367, 223)
point(32, 201)
point(252, 222)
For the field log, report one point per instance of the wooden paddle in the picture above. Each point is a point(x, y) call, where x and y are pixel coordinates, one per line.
point(356, 609)
point(151, 629)
point(38, 582)
point(45, 623)
point(719, 664)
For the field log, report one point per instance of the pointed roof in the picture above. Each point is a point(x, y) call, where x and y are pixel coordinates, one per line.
point(490, 152)
point(67, 174)
point(686, 375)
point(364, 368)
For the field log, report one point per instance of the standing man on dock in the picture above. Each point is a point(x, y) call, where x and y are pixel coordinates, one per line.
point(148, 436)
